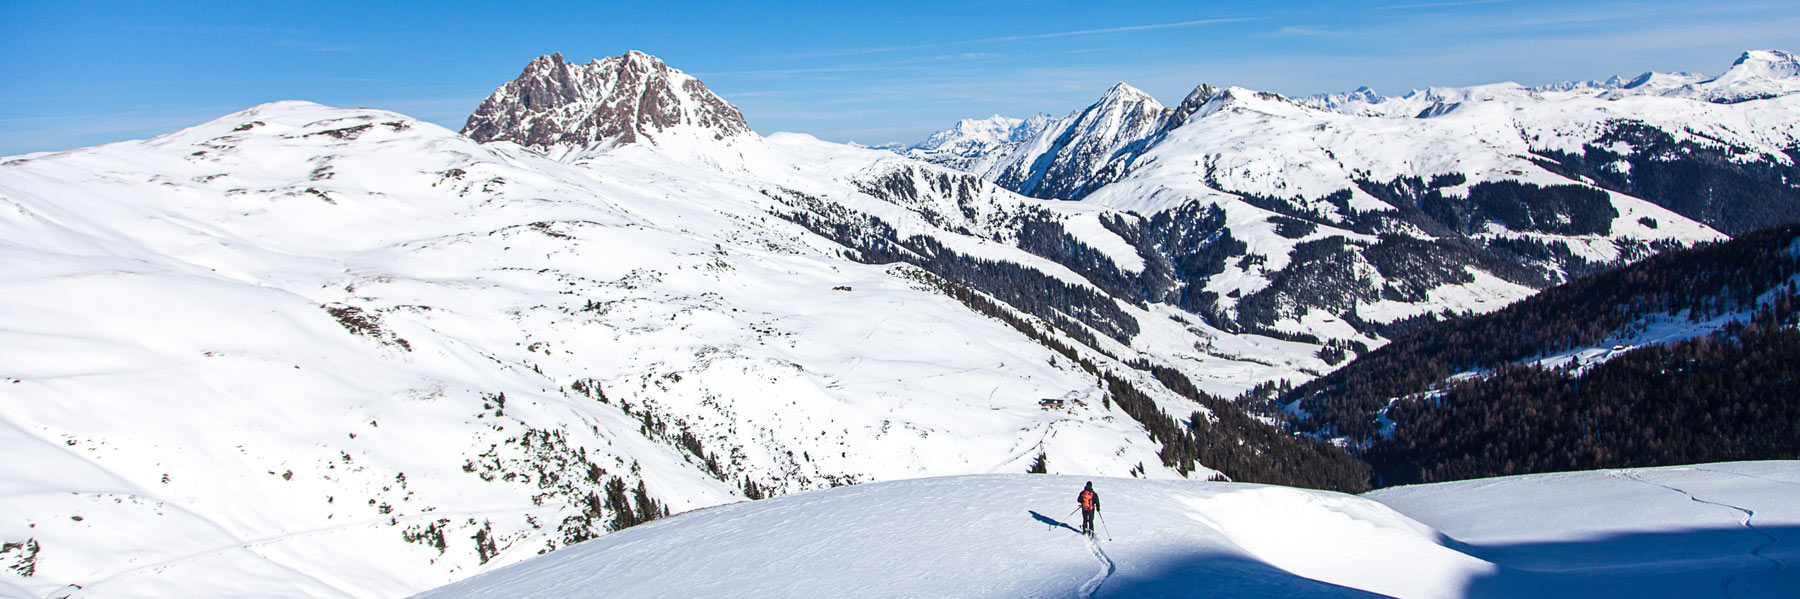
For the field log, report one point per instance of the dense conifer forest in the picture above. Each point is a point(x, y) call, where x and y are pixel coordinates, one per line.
point(1731, 396)
point(1712, 184)
point(1724, 396)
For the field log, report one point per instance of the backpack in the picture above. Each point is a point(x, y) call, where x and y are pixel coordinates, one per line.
point(1087, 499)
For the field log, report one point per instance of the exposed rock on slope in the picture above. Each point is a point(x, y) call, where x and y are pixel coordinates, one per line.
point(557, 107)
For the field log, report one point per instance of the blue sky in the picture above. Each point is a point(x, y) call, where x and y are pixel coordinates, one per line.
point(81, 73)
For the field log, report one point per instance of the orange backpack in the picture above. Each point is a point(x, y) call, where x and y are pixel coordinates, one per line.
point(1087, 500)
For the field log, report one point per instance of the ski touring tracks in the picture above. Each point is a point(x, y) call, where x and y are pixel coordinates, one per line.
point(1092, 586)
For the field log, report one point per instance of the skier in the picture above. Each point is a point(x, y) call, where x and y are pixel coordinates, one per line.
point(1090, 503)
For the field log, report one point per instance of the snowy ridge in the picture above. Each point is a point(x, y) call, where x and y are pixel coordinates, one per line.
point(1755, 75)
point(1654, 531)
point(974, 144)
point(1071, 156)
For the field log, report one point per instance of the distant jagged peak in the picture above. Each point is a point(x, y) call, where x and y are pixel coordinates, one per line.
point(1591, 85)
point(558, 107)
point(1123, 94)
point(994, 129)
point(1194, 101)
point(1339, 101)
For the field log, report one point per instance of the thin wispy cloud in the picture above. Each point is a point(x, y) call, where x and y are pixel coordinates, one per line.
point(1301, 30)
point(315, 46)
point(1031, 36)
point(1438, 4)
point(926, 63)
point(1568, 20)
point(1011, 38)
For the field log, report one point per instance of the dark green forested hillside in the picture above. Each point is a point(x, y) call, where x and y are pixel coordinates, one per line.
point(1728, 395)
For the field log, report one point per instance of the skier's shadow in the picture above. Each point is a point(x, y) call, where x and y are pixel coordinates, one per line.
point(1052, 521)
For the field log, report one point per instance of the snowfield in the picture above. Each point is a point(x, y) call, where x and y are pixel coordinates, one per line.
point(309, 351)
point(1715, 530)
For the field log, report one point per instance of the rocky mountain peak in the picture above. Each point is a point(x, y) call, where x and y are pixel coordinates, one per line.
point(1191, 104)
point(1131, 98)
point(558, 107)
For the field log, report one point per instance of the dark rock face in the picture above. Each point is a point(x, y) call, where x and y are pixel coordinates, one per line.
point(616, 101)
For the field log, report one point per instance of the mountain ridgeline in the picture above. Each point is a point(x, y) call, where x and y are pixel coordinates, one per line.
point(1093, 318)
point(409, 354)
point(1692, 356)
point(1303, 216)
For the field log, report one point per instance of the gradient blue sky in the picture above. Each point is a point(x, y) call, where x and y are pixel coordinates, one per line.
point(81, 73)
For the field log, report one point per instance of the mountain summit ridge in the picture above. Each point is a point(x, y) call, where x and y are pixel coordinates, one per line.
point(559, 108)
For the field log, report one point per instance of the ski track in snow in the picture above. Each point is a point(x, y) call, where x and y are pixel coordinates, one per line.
point(1749, 514)
point(1093, 585)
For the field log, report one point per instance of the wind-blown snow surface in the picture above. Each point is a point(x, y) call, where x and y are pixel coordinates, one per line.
point(1683, 531)
point(307, 351)
point(1708, 530)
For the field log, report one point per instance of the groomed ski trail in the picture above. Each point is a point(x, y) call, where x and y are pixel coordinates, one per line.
point(1749, 515)
point(1092, 586)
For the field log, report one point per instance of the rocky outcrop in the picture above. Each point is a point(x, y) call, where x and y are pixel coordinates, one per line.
point(558, 107)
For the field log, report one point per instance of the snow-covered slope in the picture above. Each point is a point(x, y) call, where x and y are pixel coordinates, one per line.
point(309, 351)
point(1718, 530)
point(363, 355)
point(322, 352)
point(1706, 530)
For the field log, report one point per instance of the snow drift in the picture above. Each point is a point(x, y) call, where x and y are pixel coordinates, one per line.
point(1698, 531)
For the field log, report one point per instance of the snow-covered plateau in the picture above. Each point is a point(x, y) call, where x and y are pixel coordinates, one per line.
point(1713, 530)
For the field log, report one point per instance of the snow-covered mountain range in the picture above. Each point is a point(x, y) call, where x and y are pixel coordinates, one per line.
point(973, 144)
point(1755, 75)
point(311, 351)
point(1333, 218)
point(341, 352)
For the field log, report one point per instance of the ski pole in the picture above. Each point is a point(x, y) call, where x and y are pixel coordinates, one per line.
point(1103, 527)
